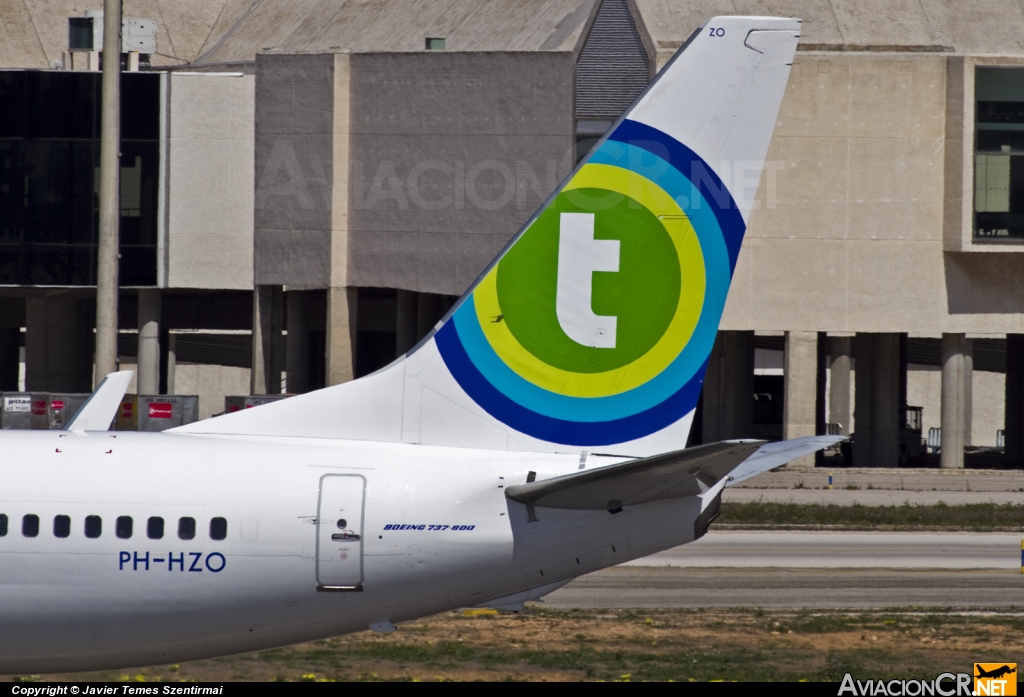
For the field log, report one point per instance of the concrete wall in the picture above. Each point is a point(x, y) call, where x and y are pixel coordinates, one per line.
point(212, 383)
point(924, 389)
point(209, 181)
point(441, 158)
point(987, 407)
point(451, 154)
point(294, 169)
point(849, 232)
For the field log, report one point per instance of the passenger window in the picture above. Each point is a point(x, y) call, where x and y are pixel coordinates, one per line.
point(218, 528)
point(155, 528)
point(93, 526)
point(30, 525)
point(3, 524)
point(186, 528)
point(123, 527)
point(61, 526)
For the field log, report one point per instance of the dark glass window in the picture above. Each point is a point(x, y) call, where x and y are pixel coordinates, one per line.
point(186, 528)
point(123, 527)
point(93, 526)
point(12, 96)
point(218, 528)
point(999, 154)
point(155, 528)
point(61, 526)
point(3, 524)
point(49, 159)
point(30, 525)
point(80, 35)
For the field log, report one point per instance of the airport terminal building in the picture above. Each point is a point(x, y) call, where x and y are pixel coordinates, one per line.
point(307, 187)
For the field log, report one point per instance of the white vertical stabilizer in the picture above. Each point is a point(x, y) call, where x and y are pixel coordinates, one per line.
point(592, 329)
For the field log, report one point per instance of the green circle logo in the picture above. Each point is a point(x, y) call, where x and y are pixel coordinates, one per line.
point(643, 294)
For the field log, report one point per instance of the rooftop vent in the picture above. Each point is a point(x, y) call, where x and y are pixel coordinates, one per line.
point(86, 33)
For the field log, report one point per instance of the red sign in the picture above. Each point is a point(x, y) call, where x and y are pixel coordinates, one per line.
point(57, 404)
point(126, 410)
point(160, 410)
point(39, 407)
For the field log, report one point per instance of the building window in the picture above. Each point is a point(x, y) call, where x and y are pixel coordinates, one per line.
point(434, 44)
point(49, 164)
point(999, 154)
point(93, 526)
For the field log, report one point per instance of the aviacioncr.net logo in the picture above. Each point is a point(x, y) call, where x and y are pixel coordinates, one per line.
point(944, 685)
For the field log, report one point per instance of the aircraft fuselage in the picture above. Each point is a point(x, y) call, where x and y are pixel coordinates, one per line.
point(433, 531)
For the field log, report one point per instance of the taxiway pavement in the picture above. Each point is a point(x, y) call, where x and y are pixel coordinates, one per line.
point(814, 570)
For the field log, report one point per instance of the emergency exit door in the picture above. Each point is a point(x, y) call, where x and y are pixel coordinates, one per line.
point(339, 533)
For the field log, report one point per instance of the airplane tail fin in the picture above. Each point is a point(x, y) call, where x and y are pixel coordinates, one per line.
point(593, 327)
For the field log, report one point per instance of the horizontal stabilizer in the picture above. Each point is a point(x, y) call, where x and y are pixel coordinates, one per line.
point(772, 455)
point(679, 474)
point(100, 409)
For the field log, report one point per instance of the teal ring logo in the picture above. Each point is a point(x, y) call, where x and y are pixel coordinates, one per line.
point(675, 232)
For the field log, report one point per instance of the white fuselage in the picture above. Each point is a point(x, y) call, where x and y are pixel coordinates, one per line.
point(434, 531)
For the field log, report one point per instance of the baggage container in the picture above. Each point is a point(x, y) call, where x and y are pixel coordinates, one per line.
point(127, 418)
point(24, 410)
point(161, 412)
point(61, 408)
point(233, 403)
point(256, 400)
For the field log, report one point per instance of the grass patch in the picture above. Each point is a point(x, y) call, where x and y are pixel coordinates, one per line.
point(977, 517)
point(625, 645)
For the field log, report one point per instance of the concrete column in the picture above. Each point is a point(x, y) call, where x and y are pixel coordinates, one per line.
point(737, 401)
point(150, 300)
point(711, 415)
point(864, 408)
point(953, 401)
point(297, 354)
point(342, 309)
point(801, 388)
point(877, 408)
point(1013, 433)
point(886, 452)
point(968, 389)
point(728, 410)
point(429, 309)
point(840, 350)
point(10, 353)
point(406, 334)
point(58, 345)
point(267, 344)
point(172, 361)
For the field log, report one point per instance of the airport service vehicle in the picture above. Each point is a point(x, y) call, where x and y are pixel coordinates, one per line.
point(536, 434)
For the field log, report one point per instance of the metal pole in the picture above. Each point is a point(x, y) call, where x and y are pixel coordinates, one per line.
point(110, 204)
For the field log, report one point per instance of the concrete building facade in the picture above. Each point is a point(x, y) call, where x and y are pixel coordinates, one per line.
point(396, 147)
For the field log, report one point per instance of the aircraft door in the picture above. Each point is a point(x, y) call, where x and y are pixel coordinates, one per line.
point(339, 530)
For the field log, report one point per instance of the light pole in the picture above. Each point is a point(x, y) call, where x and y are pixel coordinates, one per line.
point(110, 196)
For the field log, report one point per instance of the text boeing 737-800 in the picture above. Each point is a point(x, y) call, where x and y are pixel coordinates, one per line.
point(536, 434)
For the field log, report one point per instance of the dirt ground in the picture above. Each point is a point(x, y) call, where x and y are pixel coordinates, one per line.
point(681, 645)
